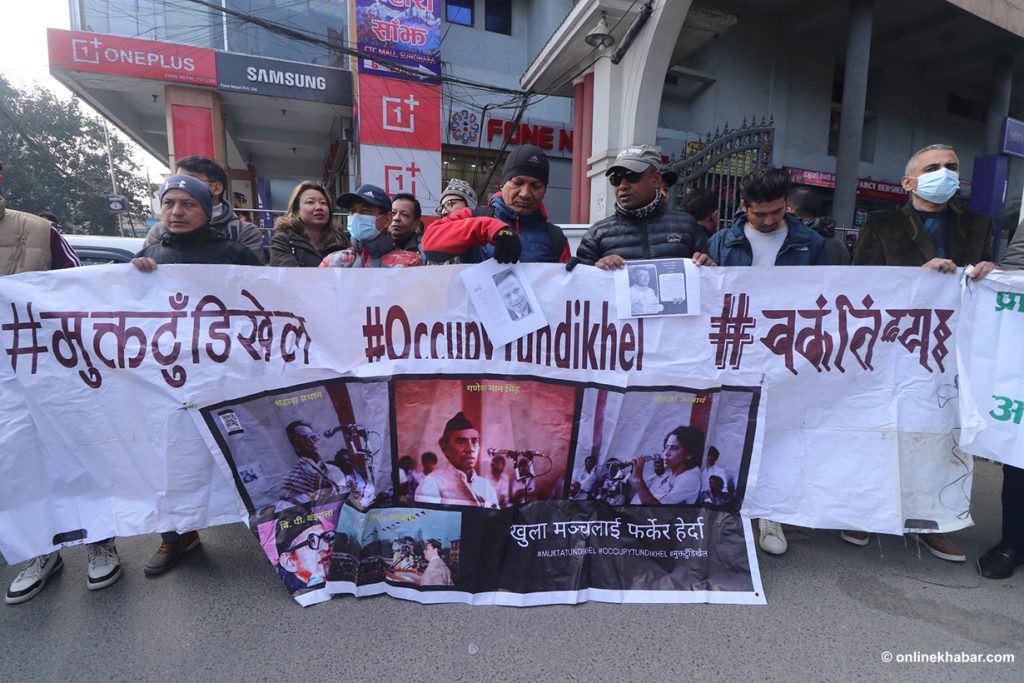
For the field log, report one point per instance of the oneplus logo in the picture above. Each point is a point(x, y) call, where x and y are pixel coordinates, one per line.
point(85, 51)
point(398, 114)
point(401, 178)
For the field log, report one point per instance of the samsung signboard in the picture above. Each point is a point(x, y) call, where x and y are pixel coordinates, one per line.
point(278, 78)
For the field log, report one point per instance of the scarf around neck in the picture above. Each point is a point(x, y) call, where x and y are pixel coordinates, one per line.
point(643, 211)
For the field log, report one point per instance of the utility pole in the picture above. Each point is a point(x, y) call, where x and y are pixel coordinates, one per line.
point(113, 178)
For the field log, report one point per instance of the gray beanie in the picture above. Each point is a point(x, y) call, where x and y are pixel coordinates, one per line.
point(195, 187)
point(460, 188)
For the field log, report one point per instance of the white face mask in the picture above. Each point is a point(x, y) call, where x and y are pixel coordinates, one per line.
point(937, 186)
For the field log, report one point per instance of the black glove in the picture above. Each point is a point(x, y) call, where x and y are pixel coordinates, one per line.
point(571, 263)
point(507, 247)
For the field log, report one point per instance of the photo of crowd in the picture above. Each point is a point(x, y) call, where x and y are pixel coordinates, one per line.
point(399, 545)
point(490, 443)
point(297, 446)
point(655, 447)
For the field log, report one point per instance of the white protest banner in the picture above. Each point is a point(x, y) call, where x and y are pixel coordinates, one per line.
point(991, 367)
point(103, 365)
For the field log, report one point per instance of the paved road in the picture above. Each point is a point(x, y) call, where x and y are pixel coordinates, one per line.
point(222, 614)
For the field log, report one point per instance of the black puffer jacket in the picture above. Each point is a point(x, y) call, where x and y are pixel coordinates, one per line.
point(200, 246)
point(663, 234)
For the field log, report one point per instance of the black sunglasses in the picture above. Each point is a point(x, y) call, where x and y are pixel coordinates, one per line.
point(617, 177)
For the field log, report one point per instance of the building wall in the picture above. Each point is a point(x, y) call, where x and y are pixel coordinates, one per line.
point(792, 81)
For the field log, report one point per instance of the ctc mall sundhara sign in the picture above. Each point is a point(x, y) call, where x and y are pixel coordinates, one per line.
point(99, 53)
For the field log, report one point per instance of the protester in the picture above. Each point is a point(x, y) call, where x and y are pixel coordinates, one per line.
point(763, 234)
point(702, 204)
point(307, 231)
point(643, 226)
point(513, 227)
point(377, 242)
point(186, 206)
point(806, 204)
point(933, 232)
point(457, 195)
point(681, 482)
point(458, 484)
point(224, 218)
point(28, 244)
point(1000, 560)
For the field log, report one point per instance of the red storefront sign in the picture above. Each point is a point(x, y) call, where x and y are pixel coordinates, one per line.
point(866, 187)
point(100, 53)
point(545, 137)
point(399, 113)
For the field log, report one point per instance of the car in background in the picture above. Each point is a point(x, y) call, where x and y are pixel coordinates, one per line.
point(98, 250)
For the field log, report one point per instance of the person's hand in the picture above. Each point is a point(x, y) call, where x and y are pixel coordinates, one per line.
point(982, 269)
point(507, 246)
point(943, 265)
point(571, 263)
point(611, 262)
point(146, 265)
point(638, 469)
point(700, 259)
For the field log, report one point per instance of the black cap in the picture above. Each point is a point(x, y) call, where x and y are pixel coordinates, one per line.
point(370, 194)
point(458, 423)
point(527, 160)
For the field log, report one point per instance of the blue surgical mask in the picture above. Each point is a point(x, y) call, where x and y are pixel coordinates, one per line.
point(363, 228)
point(937, 186)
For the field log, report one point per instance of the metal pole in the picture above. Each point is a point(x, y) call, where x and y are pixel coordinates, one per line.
point(113, 177)
point(851, 124)
point(998, 102)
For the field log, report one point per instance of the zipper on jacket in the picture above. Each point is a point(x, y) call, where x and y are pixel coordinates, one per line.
point(647, 239)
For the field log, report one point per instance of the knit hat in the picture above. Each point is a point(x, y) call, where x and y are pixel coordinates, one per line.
point(195, 187)
point(458, 423)
point(460, 188)
point(527, 160)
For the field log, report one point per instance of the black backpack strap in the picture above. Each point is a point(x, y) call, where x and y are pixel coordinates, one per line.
point(485, 210)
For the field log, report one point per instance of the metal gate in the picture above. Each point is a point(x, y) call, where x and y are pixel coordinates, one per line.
point(721, 161)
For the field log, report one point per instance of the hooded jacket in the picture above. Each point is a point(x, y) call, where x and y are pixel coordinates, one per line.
point(203, 245)
point(898, 238)
point(838, 254)
point(467, 235)
point(292, 248)
point(233, 227)
point(802, 246)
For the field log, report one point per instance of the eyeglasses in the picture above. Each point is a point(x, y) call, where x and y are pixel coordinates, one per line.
point(617, 177)
point(449, 205)
point(314, 541)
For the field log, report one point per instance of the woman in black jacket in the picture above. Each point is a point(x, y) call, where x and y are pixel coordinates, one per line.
point(307, 231)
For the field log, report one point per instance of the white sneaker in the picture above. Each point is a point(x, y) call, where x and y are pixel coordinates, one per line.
point(773, 540)
point(104, 565)
point(33, 577)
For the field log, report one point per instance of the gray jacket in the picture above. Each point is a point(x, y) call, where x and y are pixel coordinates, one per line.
point(1014, 257)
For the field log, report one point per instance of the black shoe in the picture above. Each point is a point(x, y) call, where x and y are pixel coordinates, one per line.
point(169, 553)
point(1000, 560)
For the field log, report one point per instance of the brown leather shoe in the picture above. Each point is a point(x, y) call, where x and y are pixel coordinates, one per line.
point(941, 547)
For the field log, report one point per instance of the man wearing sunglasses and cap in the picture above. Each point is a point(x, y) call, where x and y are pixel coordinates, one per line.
point(643, 226)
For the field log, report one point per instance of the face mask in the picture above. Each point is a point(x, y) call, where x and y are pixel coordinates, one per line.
point(362, 227)
point(937, 186)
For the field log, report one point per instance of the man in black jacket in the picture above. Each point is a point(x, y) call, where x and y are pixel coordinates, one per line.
point(642, 227)
point(186, 206)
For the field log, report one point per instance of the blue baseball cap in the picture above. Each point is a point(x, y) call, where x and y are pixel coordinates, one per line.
point(368, 194)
